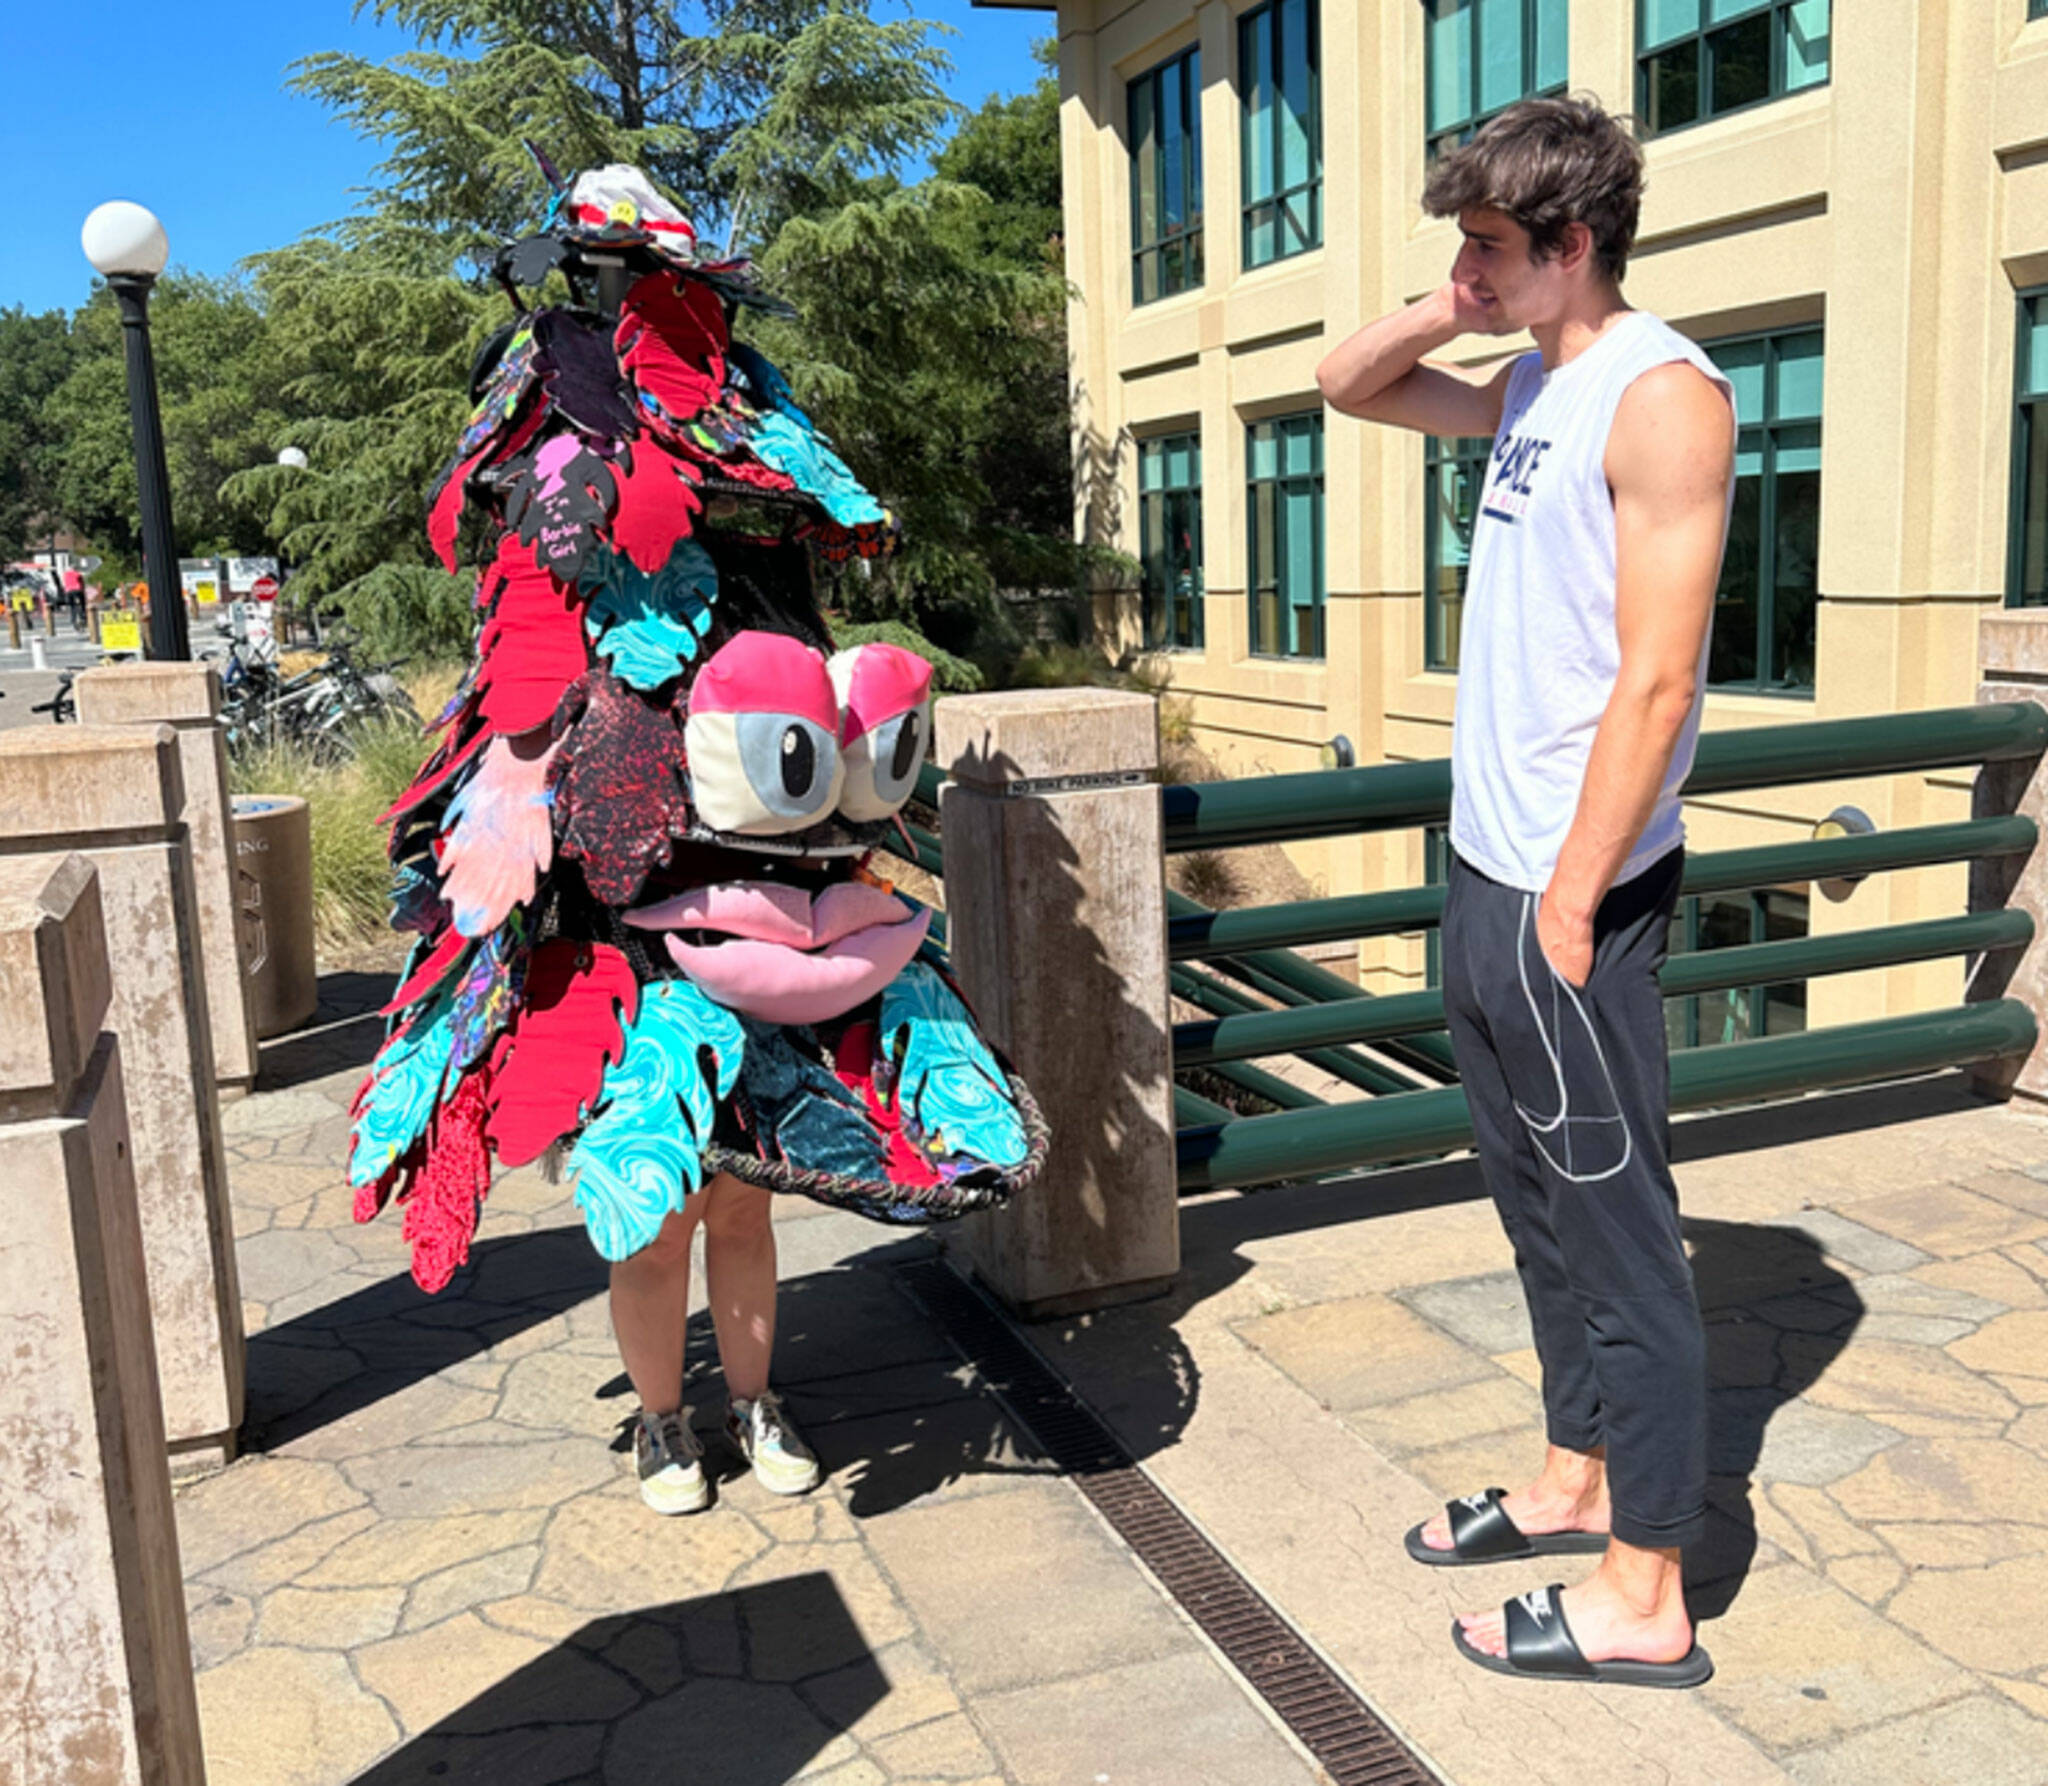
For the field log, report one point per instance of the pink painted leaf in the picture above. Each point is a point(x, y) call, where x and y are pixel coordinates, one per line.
point(499, 834)
point(546, 1069)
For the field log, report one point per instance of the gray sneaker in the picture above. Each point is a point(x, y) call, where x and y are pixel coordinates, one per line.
point(669, 1462)
point(761, 1432)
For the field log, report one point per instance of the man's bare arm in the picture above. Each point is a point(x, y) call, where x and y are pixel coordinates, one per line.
point(1380, 374)
point(1669, 457)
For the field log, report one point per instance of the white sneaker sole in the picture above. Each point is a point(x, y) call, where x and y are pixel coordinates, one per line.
point(795, 1483)
point(677, 1493)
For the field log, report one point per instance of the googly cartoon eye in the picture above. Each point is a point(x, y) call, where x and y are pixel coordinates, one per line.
point(763, 737)
point(885, 725)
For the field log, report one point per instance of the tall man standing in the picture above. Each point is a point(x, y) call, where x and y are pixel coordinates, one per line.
point(1595, 556)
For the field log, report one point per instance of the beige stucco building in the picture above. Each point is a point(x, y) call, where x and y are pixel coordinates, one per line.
point(1850, 211)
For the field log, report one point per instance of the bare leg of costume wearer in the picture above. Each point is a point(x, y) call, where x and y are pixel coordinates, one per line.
point(650, 1294)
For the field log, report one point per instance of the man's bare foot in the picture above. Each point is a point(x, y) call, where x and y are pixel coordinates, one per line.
point(1632, 1608)
point(1569, 1496)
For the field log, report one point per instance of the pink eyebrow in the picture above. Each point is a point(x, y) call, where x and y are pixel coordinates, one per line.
point(758, 672)
point(886, 681)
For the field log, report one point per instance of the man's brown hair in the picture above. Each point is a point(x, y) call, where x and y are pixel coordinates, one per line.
point(1548, 163)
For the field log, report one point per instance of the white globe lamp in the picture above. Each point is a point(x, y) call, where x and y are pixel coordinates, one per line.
point(294, 458)
point(122, 238)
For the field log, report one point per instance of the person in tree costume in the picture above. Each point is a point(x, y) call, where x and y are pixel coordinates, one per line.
point(649, 941)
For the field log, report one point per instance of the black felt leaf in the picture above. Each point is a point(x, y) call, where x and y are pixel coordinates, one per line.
point(581, 370)
point(527, 263)
point(560, 493)
point(619, 793)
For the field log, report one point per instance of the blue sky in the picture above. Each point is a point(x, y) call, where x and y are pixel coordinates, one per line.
point(180, 105)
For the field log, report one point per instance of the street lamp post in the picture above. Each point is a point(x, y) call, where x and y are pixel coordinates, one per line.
point(125, 243)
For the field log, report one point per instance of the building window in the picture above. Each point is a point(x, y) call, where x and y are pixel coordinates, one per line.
point(1277, 67)
point(1166, 179)
point(2027, 574)
point(1170, 540)
point(1768, 602)
point(1454, 472)
point(1482, 55)
point(2037, 9)
point(1285, 500)
point(1725, 920)
point(1697, 59)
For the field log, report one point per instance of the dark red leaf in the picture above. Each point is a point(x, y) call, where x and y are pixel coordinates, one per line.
point(546, 1069)
point(532, 645)
point(620, 794)
point(671, 340)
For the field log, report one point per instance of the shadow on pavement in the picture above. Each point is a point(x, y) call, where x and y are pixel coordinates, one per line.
point(746, 1688)
point(1777, 1315)
point(345, 1031)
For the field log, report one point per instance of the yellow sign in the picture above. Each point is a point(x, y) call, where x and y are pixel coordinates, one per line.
point(121, 632)
point(24, 600)
point(206, 592)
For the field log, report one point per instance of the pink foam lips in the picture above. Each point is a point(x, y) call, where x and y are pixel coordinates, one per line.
point(790, 958)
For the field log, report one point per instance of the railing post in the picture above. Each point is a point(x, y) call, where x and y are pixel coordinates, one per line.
point(116, 795)
point(96, 1672)
point(186, 697)
point(1056, 920)
point(2012, 665)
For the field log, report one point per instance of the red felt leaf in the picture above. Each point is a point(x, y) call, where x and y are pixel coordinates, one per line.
point(452, 1180)
point(620, 795)
point(671, 340)
point(853, 1063)
point(657, 503)
point(761, 477)
point(546, 1069)
point(370, 1198)
point(446, 514)
point(532, 645)
point(437, 771)
point(430, 972)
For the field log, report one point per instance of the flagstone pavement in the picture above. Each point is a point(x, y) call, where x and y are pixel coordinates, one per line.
point(430, 1563)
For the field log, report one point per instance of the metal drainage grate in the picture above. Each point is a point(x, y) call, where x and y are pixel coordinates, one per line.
point(1333, 1723)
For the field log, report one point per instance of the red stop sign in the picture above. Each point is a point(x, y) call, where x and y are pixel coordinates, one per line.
point(264, 589)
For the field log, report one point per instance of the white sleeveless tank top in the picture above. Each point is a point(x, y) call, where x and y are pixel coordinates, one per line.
point(1538, 655)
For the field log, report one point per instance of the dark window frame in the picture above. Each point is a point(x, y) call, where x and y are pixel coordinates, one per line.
point(1434, 142)
point(1764, 435)
point(2029, 415)
point(1174, 255)
point(1469, 454)
point(1269, 19)
point(1682, 1014)
point(1171, 622)
point(1700, 42)
point(1436, 872)
point(1289, 647)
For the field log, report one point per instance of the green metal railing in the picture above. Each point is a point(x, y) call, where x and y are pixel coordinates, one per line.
point(1282, 1004)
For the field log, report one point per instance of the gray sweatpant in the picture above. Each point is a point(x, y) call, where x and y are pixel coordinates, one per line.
point(1570, 1100)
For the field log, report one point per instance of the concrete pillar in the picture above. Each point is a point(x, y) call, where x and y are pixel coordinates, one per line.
point(186, 697)
point(115, 794)
point(2012, 655)
point(1056, 915)
point(96, 1672)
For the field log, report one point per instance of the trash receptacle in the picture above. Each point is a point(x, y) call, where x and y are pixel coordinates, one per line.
point(274, 909)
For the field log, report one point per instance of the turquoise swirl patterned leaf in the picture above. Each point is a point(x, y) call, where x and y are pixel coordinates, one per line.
point(788, 441)
point(950, 1087)
point(647, 628)
point(639, 1155)
point(405, 1086)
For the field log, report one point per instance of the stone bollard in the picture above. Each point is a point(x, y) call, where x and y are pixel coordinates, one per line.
point(96, 1672)
point(186, 697)
point(2012, 665)
point(114, 793)
point(1056, 922)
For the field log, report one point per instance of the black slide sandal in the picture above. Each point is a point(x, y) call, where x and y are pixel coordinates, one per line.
point(1541, 1647)
point(1482, 1532)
